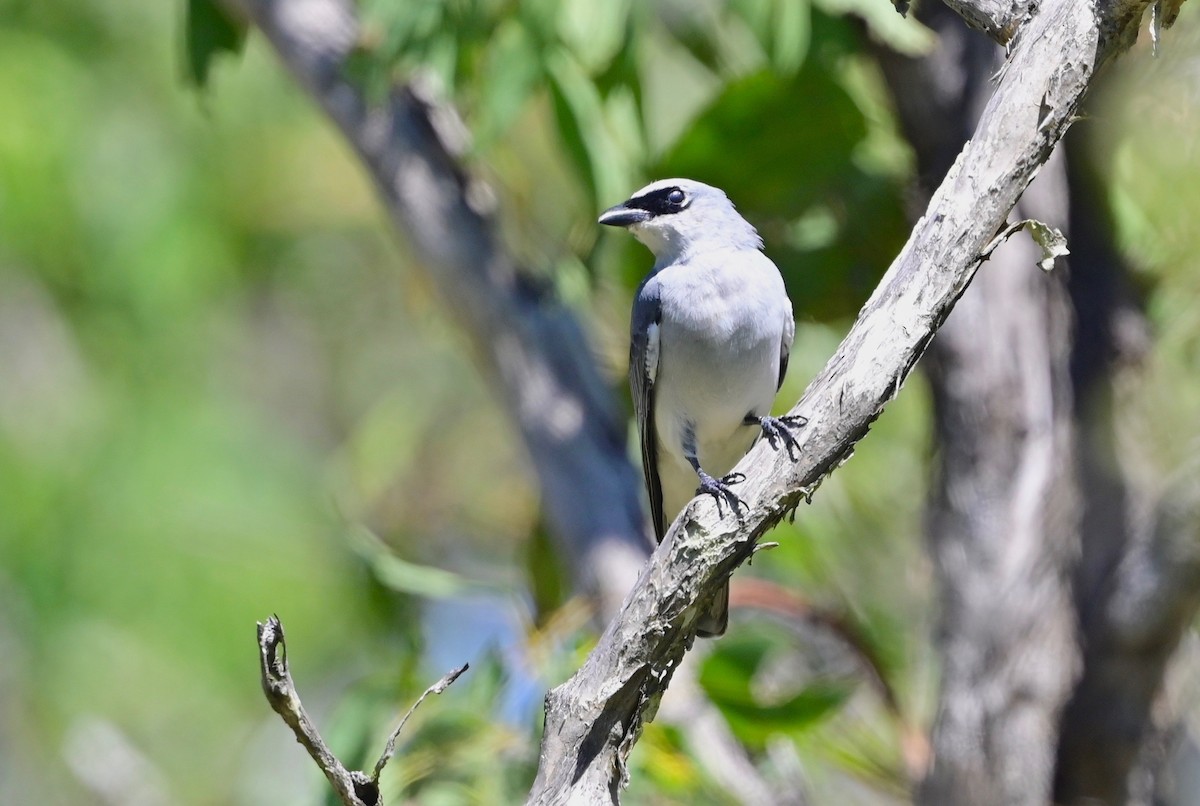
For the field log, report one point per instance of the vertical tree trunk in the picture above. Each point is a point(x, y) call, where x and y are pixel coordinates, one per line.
point(1003, 514)
point(1033, 526)
point(1003, 526)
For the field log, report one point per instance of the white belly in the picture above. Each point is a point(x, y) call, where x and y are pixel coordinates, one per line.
point(707, 383)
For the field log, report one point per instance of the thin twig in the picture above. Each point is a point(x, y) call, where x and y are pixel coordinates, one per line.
point(354, 787)
point(436, 688)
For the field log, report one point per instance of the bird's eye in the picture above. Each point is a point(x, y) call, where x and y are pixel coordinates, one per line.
point(676, 196)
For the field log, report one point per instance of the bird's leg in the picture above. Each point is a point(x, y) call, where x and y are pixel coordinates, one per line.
point(719, 489)
point(779, 429)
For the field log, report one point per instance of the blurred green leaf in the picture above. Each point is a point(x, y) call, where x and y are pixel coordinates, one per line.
point(403, 576)
point(548, 578)
point(777, 162)
point(364, 69)
point(593, 31)
point(790, 36)
point(208, 32)
point(831, 226)
point(585, 129)
point(513, 71)
point(728, 677)
point(888, 24)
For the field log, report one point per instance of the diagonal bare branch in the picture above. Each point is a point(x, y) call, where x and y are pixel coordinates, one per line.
point(594, 718)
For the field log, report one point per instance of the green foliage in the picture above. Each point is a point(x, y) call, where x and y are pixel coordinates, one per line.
point(737, 678)
point(209, 32)
point(225, 393)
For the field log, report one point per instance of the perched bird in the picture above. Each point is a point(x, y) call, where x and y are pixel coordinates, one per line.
point(710, 335)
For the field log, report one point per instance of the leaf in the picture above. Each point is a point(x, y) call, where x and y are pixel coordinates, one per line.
point(594, 31)
point(403, 576)
point(364, 69)
point(898, 31)
point(831, 223)
point(728, 679)
point(1050, 239)
point(585, 129)
point(208, 32)
point(791, 35)
point(548, 582)
point(511, 72)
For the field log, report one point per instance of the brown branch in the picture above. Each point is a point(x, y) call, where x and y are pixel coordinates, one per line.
point(354, 787)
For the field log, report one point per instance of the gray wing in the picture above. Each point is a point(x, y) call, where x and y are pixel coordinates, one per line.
point(785, 346)
point(643, 365)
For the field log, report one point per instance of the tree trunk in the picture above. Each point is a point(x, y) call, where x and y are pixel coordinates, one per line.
point(1032, 523)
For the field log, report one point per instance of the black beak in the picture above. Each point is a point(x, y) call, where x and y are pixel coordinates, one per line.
point(622, 216)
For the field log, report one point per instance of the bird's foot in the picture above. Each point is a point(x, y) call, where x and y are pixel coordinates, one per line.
point(719, 489)
point(781, 430)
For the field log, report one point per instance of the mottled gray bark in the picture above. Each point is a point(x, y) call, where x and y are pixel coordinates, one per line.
point(1003, 515)
point(1004, 525)
point(593, 719)
point(1024, 489)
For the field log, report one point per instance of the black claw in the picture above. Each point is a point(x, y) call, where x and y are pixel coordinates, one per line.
point(719, 489)
point(779, 429)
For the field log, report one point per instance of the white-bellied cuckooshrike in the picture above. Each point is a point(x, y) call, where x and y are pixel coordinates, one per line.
point(711, 331)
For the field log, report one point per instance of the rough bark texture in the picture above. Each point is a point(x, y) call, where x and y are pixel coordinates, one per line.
point(1004, 516)
point(999, 19)
point(1004, 526)
point(1029, 479)
point(593, 719)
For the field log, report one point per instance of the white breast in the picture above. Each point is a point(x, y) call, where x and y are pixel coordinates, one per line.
point(718, 360)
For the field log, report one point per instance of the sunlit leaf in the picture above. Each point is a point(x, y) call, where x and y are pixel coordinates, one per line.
point(584, 127)
point(888, 24)
point(1051, 240)
point(403, 576)
point(512, 71)
point(594, 31)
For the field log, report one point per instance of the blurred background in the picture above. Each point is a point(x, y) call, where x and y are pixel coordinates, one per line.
point(227, 391)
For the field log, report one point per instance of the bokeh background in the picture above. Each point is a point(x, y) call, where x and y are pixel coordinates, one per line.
point(226, 389)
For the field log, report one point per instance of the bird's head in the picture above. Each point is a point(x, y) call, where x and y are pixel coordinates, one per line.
point(675, 216)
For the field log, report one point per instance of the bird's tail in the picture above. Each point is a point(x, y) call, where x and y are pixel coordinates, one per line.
point(715, 619)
